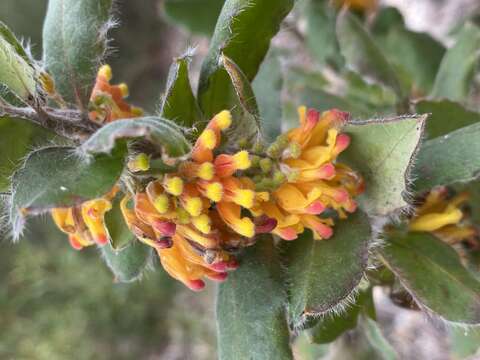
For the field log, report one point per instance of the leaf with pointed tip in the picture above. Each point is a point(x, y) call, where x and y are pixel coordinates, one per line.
point(118, 231)
point(17, 75)
point(446, 116)
point(382, 151)
point(10, 37)
point(74, 41)
point(323, 274)
point(453, 158)
point(162, 133)
point(179, 104)
point(362, 54)
point(251, 321)
point(377, 340)
point(457, 70)
point(129, 262)
point(432, 273)
point(197, 16)
point(60, 177)
point(243, 33)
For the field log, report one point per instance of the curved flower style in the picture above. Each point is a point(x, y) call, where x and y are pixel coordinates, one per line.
point(107, 101)
point(85, 224)
point(193, 217)
point(306, 158)
point(441, 213)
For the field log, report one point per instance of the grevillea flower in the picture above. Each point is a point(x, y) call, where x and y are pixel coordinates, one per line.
point(441, 213)
point(193, 217)
point(360, 5)
point(107, 101)
point(311, 181)
point(85, 223)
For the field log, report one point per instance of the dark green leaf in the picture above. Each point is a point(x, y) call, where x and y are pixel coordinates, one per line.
point(362, 54)
point(250, 308)
point(455, 76)
point(128, 263)
point(323, 274)
point(60, 177)
point(446, 116)
point(120, 235)
point(267, 87)
point(431, 271)
point(160, 132)
point(10, 37)
point(449, 159)
point(383, 151)
point(196, 16)
point(243, 33)
point(179, 104)
point(74, 41)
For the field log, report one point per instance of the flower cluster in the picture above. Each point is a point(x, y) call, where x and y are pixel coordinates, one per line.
point(443, 214)
point(212, 203)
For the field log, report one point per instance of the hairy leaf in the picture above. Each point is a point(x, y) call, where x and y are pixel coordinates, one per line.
point(449, 159)
point(362, 54)
point(74, 42)
point(454, 78)
point(179, 104)
point(431, 271)
point(383, 152)
point(243, 34)
point(60, 177)
point(160, 132)
point(196, 16)
point(323, 274)
point(446, 116)
point(251, 321)
point(128, 263)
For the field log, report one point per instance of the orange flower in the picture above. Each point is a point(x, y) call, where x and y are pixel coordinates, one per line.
point(306, 158)
point(85, 224)
point(361, 5)
point(107, 101)
point(441, 214)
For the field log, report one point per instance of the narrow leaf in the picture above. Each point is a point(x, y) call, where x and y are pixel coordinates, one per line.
point(243, 33)
point(449, 159)
point(160, 132)
point(179, 104)
point(323, 274)
point(197, 16)
point(74, 42)
point(119, 233)
point(60, 177)
point(383, 152)
point(455, 76)
point(445, 116)
point(10, 37)
point(128, 263)
point(362, 54)
point(431, 271)
point(251, 321)
point(378, 341)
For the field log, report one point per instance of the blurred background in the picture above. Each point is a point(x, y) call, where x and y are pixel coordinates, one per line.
point(57, 303)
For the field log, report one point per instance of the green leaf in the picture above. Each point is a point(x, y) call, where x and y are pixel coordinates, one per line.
point(60, 177)
point(362, 54)
point(464, 342)
point(128, 263)
point(323, 274)
point(10, 37)
point(243, 33)
point(251, 321)
point(433, 274)
point(162, 133)
point(179, 104)
point(446, 116)
point(416, 54)
point(267, 87)
point(74, 42)
point(449, 159)
point(383, 152)
point(120, 235)
point(457, 70)
point(16, 73)
point(196, 16)
point(378, 341)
